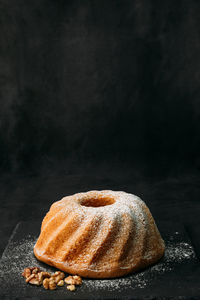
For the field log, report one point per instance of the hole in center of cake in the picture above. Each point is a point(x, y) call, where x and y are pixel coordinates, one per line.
point(92, 202)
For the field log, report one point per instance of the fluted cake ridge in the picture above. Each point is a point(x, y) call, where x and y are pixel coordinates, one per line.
point(99, 234)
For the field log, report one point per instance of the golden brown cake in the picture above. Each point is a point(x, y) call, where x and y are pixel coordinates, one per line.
point(99, 234)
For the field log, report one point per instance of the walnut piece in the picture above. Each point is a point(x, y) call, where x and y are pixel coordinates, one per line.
point(35, 270)
point(52, 284)
point(46, 283)
point(30, 277)
point(56, 273)
point(71, 287)
point(26, 273)
point(69, 280)
point(46, 274)
point(60, 283)
point(35, 281)
point(77, 279)
point(74, 280)
point(40, 277)
point(58, 276)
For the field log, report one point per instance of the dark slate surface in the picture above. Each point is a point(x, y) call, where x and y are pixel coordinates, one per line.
point(177, 274)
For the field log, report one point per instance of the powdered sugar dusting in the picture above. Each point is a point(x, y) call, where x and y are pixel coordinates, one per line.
point(17, 257)
point(20, 255)
point(175, 253)
point(124, 203)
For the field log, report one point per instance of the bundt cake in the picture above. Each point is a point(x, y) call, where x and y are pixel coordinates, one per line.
point(99, 234)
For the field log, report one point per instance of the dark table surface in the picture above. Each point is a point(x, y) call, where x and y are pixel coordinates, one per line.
point(164, 280)
point(171, 198)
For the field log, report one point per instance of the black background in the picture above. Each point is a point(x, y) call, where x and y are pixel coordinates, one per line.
point(99, 94)
point(93, 81)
